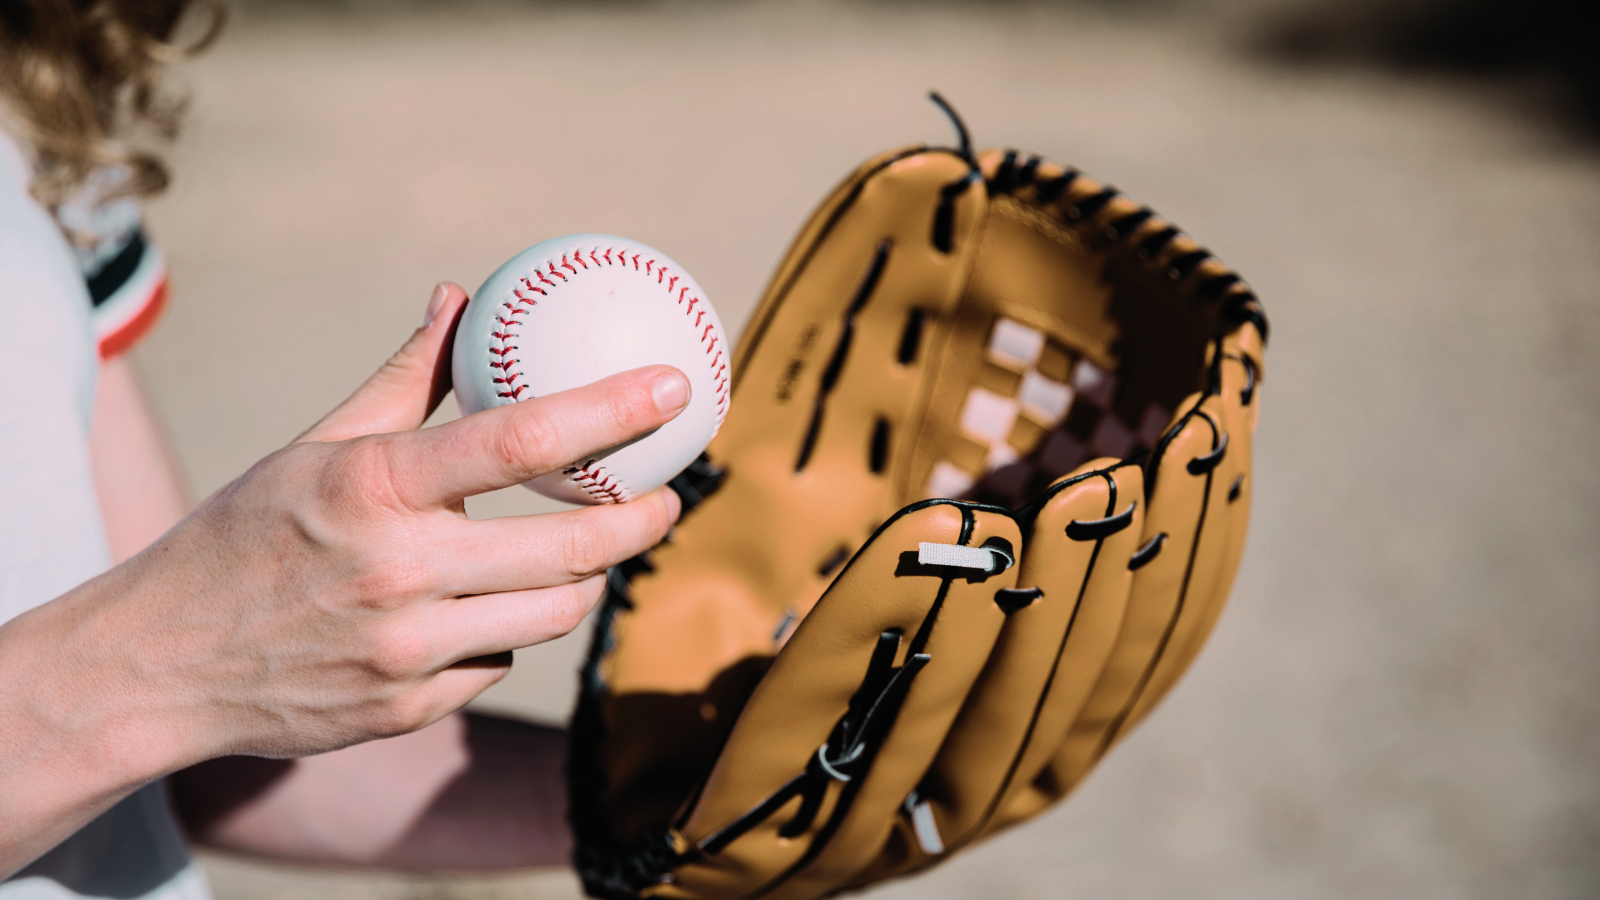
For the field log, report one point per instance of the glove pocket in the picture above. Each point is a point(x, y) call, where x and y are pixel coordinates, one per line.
point(847, 720)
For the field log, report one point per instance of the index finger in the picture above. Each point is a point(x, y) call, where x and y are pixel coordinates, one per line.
point(511, 444)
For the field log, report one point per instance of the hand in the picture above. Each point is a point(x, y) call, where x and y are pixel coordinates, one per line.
point(333, 594)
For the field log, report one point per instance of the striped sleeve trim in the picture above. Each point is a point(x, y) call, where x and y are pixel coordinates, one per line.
point(129, 294)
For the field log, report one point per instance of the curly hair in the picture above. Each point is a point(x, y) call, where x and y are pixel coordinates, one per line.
point(83, 80)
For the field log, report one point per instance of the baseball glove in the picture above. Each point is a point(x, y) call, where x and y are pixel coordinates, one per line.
point(979, 501)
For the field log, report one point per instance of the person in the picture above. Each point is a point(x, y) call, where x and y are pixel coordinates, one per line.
point(333, 600)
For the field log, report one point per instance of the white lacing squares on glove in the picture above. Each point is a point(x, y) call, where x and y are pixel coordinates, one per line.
point(1015, 345)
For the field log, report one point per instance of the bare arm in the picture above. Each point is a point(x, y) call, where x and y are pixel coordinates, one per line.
point(135, 476)
point(334, 594)
point(471, 792)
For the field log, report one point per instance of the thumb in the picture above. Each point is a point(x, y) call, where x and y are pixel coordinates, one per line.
point(409, 386)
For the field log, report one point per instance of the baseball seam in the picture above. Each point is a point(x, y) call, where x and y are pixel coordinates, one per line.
point(598, 483)
point(595, 480)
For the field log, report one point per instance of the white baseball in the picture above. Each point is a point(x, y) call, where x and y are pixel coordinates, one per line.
point(570, 311)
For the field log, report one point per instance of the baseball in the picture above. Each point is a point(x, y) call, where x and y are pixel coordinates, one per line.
point(575, 309)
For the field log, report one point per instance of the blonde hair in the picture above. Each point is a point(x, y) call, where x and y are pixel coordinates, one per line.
point(83, 78)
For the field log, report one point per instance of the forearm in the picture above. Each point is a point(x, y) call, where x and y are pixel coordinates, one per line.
point(470, 792)
point(75, 733)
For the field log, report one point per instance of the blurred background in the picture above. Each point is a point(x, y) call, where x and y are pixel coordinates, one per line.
point(1399, 701)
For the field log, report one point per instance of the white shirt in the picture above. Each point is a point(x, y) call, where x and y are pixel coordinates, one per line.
point(52, 537)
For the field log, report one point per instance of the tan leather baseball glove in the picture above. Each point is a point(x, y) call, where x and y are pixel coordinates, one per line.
point(977, 506)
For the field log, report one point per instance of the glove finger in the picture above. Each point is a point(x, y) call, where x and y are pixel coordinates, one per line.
point(1211, 533)
point(1177, 504)
point(1088, 646)
point(1230, 509)
point(850, 714)
point(1074, 581)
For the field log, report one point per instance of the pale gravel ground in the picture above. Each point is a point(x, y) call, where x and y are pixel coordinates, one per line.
point(1399, 701)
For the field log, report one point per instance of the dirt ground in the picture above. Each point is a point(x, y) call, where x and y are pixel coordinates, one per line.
point(1399, 701)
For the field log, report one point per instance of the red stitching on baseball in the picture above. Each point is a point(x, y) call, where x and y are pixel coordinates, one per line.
point(597, 482)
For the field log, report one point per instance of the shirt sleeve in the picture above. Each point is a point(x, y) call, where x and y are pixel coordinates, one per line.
point(51, 534)
point(126, 276)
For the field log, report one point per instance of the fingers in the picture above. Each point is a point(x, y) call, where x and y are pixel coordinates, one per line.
point(409, 386)
point(473, 627)
point(470, 640)
point(511, 444)
point(453, 688)
point(518, 552)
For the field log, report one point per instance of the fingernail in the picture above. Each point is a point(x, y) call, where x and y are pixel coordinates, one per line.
point(435, 303)
point(671, 391)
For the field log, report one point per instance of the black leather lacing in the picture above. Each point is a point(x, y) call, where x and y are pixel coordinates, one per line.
point(700, 480)
point(1153, 244)
point(1088, 207)
point(1184, 264)
point(841, 351)
point(1053, 189)
point(845, 755)
point(1242, 307)
point(1212, 289)
point(1128, 224)
point(965, 149)
point(945, 214)
point(1247, 394)
point(1029, 170)
point(1005, 175)
point(1239, 306)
